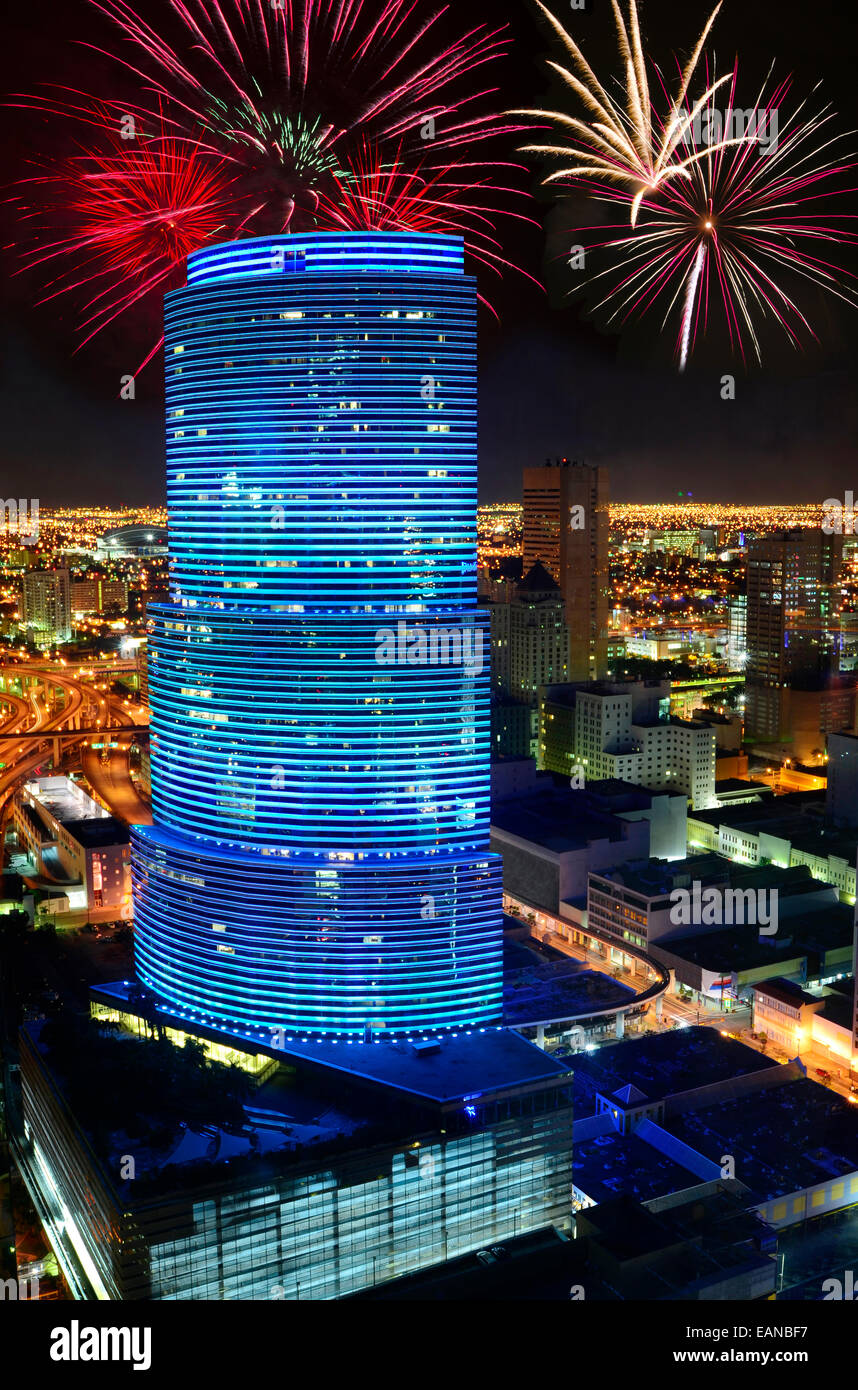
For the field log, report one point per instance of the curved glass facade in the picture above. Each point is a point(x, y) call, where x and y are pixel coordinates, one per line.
point(322, 426)
point(319, 681)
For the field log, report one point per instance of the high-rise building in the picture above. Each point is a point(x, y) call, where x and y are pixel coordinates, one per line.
point(792, 624)
point(46, 605)
point(316, 902)
point(841, 796)
point(96, 595)
point(567, 529)
point(737, 632)
point(530, 649)
point(319, 684)
point(624, 731)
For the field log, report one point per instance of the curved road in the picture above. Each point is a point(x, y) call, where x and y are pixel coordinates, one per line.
point(112, 782)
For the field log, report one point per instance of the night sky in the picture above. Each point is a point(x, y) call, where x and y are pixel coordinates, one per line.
point(553, 380)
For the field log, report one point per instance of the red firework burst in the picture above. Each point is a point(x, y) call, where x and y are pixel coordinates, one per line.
point(374, 194)
point(267, 113)
point(138, 202)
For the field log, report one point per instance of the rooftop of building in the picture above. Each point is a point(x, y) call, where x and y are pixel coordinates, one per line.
point(538, 580)
point(558, 819)
point(662, 1064)
point(620, 796)
point(672, 722)
point(827, 840)
point(787, 991)
point(98, 834)
point(64, 799)
point(182, 1121)
point(772, 816)
point(479, 1061)
point(626, 1230)
point(555, 990)
point(616, 1164)
point(465, 1066)
point(739, 948)
point(79, 815)
point(783, 1139)
point(191, 1124)
point(657, 879)
point(725, 785)
point(839, 1009)
point(566, 694)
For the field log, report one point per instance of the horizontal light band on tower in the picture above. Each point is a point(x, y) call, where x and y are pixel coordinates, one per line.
point(319, 682)
point(317, 732)
point(330, 253)
point(320, 948)
point(322, 441)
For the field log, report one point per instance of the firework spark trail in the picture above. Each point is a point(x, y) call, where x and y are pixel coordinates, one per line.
point(733, 235)
point(690, 299)
point(391, 71)
point(622, 145)
point(138, 207)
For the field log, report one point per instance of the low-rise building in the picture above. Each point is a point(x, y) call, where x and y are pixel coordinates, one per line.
point(793, 1142)
point(550, 842)
point(788, 831)
point(784, 1012)
point(74, 846)
point(98, 594)
point(636, 903)
point(812, 948)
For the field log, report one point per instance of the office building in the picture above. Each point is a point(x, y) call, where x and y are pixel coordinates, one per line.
point(792, 627)
point(529, 650)
point(633, 902)
point(46, 606)
point(623, 731)
point(737, 632)
point(98, 596)
point(319, 685)
point(317, 902)
point(330, 1187)
point(567, 529)
point(530, 639)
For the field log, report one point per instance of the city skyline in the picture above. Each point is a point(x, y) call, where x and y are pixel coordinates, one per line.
point(429, 664)
point(549, 378)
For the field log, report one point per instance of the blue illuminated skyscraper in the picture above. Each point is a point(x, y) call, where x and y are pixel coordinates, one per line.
point(319, 682)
